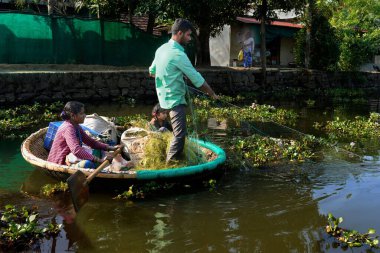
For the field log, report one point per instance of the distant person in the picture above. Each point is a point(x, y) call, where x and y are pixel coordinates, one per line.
point(70, 137)
point(248, 49)
point(159, 121)
point(169, 66)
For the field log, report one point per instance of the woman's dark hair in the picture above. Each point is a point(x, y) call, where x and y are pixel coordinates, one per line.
point(182, 25)
point(71, 107)
point(157, 109)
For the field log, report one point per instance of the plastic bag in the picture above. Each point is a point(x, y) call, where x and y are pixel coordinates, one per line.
point(240, 55)
point(106, 129)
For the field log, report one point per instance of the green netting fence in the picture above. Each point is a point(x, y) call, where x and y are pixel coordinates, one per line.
point(38, 39)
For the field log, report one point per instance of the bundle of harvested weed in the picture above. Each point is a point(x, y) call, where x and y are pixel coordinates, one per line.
point(157, 147)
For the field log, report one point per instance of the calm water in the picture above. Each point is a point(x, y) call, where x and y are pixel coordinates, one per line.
point(279, 210)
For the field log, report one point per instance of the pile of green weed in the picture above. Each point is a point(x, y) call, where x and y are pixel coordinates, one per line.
point(157, 147)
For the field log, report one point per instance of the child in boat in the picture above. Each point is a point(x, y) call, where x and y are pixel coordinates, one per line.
point(70, 136)
point(159, 120)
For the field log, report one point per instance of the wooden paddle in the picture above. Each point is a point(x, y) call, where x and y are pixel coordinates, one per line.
point(78, 183)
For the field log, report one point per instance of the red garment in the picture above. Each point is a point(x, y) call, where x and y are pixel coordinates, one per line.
point(66, 141)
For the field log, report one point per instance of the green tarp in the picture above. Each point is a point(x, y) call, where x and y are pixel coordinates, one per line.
point(38, 39)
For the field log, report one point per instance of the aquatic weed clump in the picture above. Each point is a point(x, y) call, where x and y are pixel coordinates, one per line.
point(359, 135)
point(257, 150)
point(157, 146)
point(137, 120)
point(49, 190)
point(19, 229)
point(350, 238)
point(21, 120)
point(254, 112)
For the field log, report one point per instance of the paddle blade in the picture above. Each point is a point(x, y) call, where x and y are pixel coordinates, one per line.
point(79, 189)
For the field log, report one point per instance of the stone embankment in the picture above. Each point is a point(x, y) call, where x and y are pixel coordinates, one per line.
point(26, 85)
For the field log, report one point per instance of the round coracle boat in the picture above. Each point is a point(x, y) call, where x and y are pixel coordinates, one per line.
point(34, 153)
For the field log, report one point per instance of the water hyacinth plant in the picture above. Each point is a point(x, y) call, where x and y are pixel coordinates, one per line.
point(358, 135)
point(49, 190)
point(19, 228)
point(350, 238)
point(137, 120)
point(20, 121)
point(257, 150)
point(255, 112)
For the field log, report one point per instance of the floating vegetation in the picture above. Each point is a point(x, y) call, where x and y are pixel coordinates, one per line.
point(350, 238)
point(257, 150)
point(344, 95)
point(21, 120)
point(156, 149)
point(310, 103)
point(356, 135)
point(255, 112)
point(49, 190)
point(210, 184)
point(137, 120)
point(143, 190)
point(19, 229)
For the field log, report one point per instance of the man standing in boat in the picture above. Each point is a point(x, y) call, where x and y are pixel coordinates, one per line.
point(169, 66)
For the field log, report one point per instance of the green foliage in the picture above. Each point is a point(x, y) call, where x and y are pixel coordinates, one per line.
point(142, 191)
point(210, 184)
point(359, 31)
point(255, 112)
point(102, 8)
point(19, 121)
point(310, 103)
point(49, 190)
point(19, 228)
point(359, 133)
point(344, 95)
point(355, 49)
point(137, 120)
point(350, 238)
point(208, 16)
point(324, 44)
point(258, 151)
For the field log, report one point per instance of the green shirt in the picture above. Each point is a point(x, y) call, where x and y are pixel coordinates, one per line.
point(169, 65)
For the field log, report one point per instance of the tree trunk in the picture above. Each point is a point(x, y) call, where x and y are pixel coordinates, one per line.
point(151, 21)
point(130, 12)
point(50, 6)
point(309, 20)
point(203, 54)
point(263, 47)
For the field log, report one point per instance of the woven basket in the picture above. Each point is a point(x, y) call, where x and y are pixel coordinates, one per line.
point(33, 152)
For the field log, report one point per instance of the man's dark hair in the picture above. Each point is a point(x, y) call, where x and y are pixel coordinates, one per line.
point(182, 25)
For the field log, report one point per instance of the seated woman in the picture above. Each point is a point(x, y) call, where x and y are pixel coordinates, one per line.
point(70, 136)
point(159, 120)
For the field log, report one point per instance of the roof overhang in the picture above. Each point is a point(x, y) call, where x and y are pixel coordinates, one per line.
point(273, 23)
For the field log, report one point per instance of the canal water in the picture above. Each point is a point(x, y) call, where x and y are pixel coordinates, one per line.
point(282, 209)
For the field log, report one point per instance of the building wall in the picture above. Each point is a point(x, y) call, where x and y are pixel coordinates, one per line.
point(220, 48)
point(224, 48)
point(286, 51)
